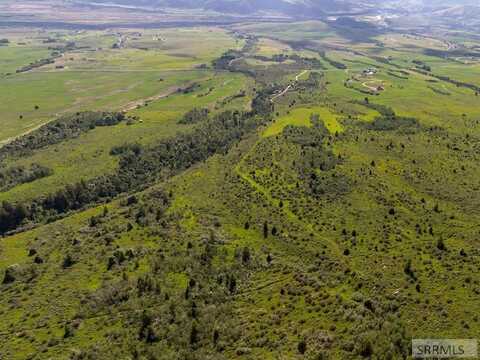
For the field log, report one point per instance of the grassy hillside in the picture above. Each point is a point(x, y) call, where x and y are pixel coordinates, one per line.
point(260, 192)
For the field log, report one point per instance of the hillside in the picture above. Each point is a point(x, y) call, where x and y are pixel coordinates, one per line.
point(298, 7)
point(258, 189)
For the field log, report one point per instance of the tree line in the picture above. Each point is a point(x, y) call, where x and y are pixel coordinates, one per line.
point(59, 130)
point(16, 175)
point(140, 166)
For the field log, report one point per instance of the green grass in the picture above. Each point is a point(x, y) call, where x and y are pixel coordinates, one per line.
point(301, 117)
point(61, 92)
point(308, 30)
point(13, 57)
point(298, 117)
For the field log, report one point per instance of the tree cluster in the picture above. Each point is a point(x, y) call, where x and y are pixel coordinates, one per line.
point(16, 175)
point(194, 116)
point(138, 166)
point(64, 128)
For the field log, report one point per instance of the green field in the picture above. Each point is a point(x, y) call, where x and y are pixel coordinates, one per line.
point(301, 117)
point(94, 76)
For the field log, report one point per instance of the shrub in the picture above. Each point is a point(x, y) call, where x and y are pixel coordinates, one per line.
point(302, 347)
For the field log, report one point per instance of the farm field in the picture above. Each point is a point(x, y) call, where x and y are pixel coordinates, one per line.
point(269, 190)
point(91, 75)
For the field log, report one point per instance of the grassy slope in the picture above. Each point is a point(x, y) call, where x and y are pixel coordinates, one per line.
point(312, 289)
point(111, 81)
point(89, 155)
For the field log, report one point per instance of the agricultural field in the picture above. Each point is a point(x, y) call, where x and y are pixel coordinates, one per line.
point(261, 190)
point(85, 71)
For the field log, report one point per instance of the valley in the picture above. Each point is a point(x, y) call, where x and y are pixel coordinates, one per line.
point(251, 189)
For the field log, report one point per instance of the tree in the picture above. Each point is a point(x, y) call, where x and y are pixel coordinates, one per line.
point(193, 335)
point(67, 261)
point(246, 255)
point(232, 284)
point(11, 216)
point(193, 310)
point(408, 269)
point(302, 347)
point(269, 259)
point(274, 231)
point(365, 348)
point(68, 331)
point(441, 244)
point(9, 276)
point(216, 336)
point(146, 332)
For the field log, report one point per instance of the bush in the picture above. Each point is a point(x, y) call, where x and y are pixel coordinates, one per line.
point(194, 116)
point(364, 347)
point(389, 123)
point(9, 276)
point(68, 261)
point(302, 347)
point(17, 175)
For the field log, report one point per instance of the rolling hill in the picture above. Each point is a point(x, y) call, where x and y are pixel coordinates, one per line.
point(238, 180)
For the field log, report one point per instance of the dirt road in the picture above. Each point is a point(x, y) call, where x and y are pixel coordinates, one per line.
point(289, 86)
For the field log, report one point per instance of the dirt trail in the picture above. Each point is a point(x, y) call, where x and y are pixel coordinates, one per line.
point(132, 105)
point(289, 86)
point(301, 74)
point(371, 88)
point(234, 60)
point(13, 138)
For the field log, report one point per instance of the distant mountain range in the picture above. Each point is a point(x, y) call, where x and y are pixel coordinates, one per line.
point(310, 8)
point(416, 13)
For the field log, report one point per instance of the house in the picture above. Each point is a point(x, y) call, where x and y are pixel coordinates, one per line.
point(370, 71)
